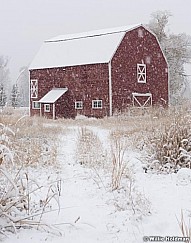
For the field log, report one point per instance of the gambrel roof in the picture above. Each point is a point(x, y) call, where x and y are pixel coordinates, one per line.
point(77, 49)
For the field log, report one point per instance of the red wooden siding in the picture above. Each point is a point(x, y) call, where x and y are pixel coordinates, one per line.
point(85, 83)
point(135, 50)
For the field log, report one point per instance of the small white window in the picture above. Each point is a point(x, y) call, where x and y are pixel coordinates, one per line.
point(35, 105)
point(148, 60)
point(140, 33)
point(97, 104)
point(34, 88)
point(46, 107)
point(78, 105)
point(141, 73)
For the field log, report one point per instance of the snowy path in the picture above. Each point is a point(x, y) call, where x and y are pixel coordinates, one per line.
point(81, 193)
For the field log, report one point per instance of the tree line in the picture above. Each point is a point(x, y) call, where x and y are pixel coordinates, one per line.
point(13, 94)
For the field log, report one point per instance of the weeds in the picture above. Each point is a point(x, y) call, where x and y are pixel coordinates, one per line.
point(32, 141)
point(185, 227)
point(18, 205)
point(119, 164)
point(20, 145)
point(89, 149)
point(171, 143)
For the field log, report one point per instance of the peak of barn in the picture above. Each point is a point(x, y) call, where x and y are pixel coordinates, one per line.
point(81, 48)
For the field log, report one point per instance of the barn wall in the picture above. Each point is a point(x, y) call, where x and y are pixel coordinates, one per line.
point(85, 83)
point(138, 46)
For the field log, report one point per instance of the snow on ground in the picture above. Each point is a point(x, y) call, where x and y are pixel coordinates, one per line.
point(88, 211)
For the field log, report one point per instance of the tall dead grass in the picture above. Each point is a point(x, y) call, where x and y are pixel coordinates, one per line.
point(170, 142)
point(23, 143)
point(34, 141)
point(119, 162)
point(185, 228)
point(89, 149)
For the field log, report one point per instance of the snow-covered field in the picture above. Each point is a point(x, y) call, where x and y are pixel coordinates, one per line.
point(144, 204)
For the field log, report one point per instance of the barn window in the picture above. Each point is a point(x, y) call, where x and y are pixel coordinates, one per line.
point(47, 108)
point(148, 60)
point(97, 104)
point(140, 33)
point(141, 73)
point(78, 105)
point(35, 105)
point(34, 88)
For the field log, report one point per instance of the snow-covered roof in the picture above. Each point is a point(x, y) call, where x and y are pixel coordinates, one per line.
point(53, 95)
point(77, 49)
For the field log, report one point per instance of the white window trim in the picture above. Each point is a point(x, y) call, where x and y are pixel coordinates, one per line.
point(33, 105)
point(96, 102)
point(34, 88)
point(80, 105)
point(141, 73)
point(45, 108)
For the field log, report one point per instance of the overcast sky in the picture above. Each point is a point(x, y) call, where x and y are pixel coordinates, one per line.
point(25, 24)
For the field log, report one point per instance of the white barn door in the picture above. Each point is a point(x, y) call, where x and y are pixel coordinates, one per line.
point(142, 100)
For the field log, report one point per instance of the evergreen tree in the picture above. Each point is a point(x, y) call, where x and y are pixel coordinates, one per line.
point(3, 97)
point(4, 75)
point(15, 96)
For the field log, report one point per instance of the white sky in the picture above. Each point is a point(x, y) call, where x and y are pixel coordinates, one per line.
point(25, 24)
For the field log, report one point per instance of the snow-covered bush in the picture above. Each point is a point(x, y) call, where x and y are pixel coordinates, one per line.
point(183, 176)
point(6, 139)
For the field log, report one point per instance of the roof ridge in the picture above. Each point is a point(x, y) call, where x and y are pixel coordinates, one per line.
point(94, 33)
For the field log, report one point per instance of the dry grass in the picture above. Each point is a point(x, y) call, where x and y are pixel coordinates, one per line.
point(162, 134)
point(170, 142)
point(33, 141)
point(24, 142)
point(19, 207)
point(185, 228)
point(119, 162)
point(89, 149)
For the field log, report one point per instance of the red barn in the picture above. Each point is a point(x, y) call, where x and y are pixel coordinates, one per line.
point(98, 73)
